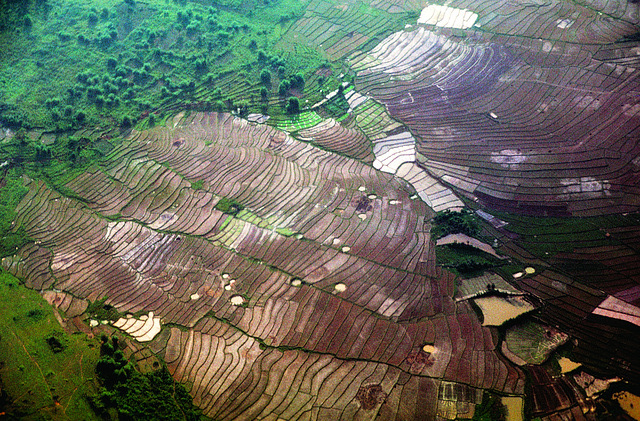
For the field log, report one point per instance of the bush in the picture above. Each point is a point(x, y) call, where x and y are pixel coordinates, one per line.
point(293, 105)
point(111, 63)
point(265, 77)
point(297, 81)
point(264, 93)
point(262, 56)
point(284, 86)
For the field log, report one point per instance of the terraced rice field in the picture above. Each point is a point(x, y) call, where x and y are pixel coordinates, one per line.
point(284, 268)
point(370, 297)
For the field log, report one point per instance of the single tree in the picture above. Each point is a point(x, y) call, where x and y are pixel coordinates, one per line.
point(265, 77)
point(293, 105)
point(284, 87)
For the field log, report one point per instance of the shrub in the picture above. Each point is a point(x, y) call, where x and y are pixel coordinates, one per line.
point(284, 86)
point(262, 56)
point(297, 81)
point(293, 105)
point(111, 63)
point(265, 77)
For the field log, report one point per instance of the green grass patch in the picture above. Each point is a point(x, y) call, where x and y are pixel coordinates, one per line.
point(46, 372)
point(197, 185)
point(285, 231)
point(123, 62)
point(555, 235)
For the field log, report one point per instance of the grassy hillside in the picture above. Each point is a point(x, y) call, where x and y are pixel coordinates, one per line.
point(65, 64)
point(45, 372)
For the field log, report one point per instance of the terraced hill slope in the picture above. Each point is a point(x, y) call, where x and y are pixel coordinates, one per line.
point(449, 232)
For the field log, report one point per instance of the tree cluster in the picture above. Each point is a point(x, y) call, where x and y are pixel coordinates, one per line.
point(135, 396)
point(449, 222)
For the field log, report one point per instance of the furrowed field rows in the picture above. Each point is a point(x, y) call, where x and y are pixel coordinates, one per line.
point(333, 136)
point(294, 283)
point(339, 29)
point(584, 22)
point(568, 151)
point(570, 306)
point(180, 280)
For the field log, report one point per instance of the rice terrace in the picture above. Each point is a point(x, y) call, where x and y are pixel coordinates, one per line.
point(320, 210)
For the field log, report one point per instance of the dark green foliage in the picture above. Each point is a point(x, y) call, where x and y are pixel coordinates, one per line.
point(265, 77)
point(27, 22)
point(284, 86)
point(293, 105)
point(56, 341)
point(35, 315)
point(43, 152)
point(92, 19)
point(464, 259)
point(297, 81)
point(111, 63)
point(448, 222)
point(264, 94)
point(136, 396)
point(262, 57)
point(242, 108)
point(491, 409)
